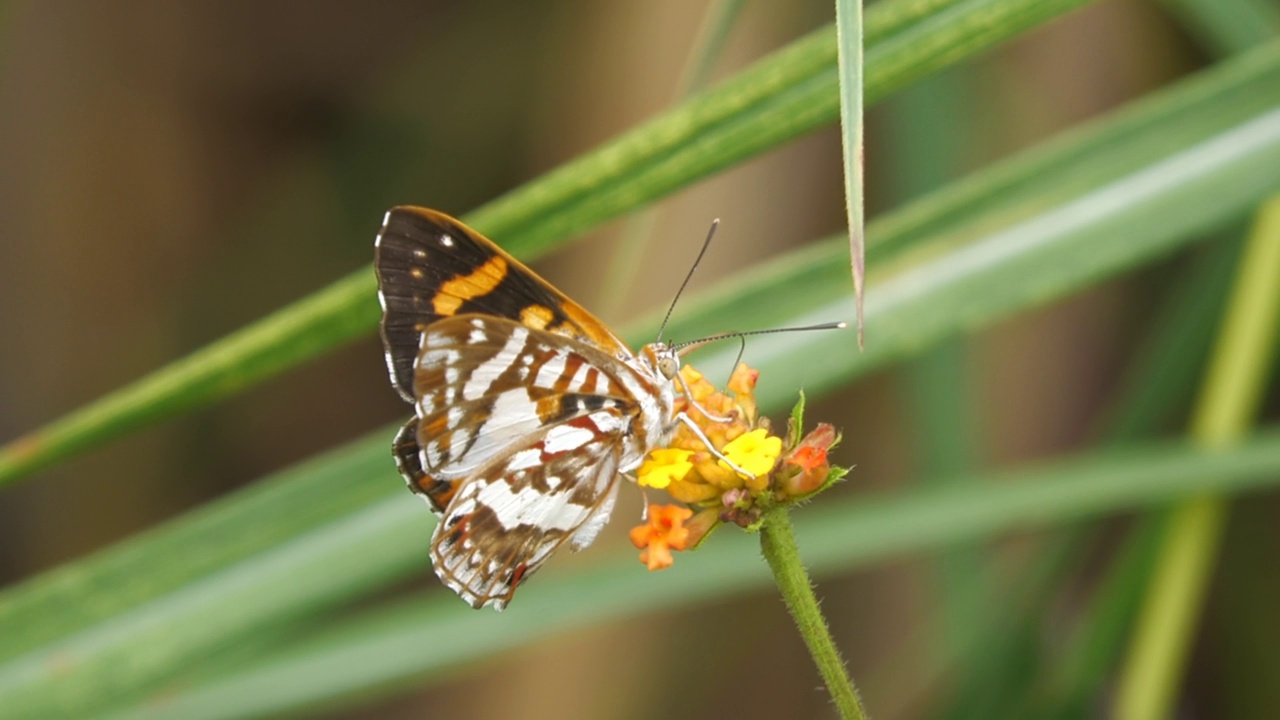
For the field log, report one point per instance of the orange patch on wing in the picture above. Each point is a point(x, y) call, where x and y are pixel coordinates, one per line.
point(549, 408)
point(516, 577)
point(440, 492)
point(435, 428)
point(461, 530)
point(465, 287)
point(536, 317)
point(594, 329)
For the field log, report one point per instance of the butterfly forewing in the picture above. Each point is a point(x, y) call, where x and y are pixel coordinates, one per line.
point(431, 266)
point(527, 407)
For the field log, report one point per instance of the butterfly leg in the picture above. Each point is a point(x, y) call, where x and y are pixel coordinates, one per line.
point(688, 421)
point(684, 388)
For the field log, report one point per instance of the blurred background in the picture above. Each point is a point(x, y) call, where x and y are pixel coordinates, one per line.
point(170, 172)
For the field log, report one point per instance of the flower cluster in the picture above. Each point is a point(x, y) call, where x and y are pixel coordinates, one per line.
point(775, 470)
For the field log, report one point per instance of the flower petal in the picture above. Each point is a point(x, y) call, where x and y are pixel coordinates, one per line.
point(664, 467)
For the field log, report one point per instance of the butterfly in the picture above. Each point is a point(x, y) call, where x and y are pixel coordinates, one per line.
point(527, 409)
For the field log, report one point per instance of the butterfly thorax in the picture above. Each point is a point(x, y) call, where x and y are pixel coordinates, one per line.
point(657, 364)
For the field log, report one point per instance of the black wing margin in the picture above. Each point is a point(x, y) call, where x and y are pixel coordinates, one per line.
point(431, 266)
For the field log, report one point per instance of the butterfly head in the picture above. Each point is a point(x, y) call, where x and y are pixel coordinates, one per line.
point(662, 359)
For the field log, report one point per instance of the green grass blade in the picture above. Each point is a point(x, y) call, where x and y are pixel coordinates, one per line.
point(935, 121)
point(849, 47)
point(1230, 397)
point(1155, 390)
point(1229, 26)
point(1064, 681)
point(780, 98)
point(267, 514)
point(1026, 264)
point(422, 638)
point(1204, 103)
point(1154, 205)
point(1094, 650)
point(619, 275)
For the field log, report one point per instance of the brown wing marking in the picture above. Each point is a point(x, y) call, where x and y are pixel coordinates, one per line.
point(431, 266)
point(408, 457)
point(481, 390)
point(508, 518)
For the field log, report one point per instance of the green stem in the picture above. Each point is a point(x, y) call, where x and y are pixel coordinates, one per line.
point(1230, 395)
point(778, 543)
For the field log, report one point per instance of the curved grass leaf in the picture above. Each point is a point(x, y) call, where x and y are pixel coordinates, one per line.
point(1229, 400)
point(1094, 650)
point(433, 634)
point(131, 633)
point(849, 40)
point(984, 270)
point(1227, 26)
point(780, 98)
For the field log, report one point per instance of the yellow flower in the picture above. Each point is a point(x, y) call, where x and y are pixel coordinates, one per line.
point(755, 452)
point(664, 467)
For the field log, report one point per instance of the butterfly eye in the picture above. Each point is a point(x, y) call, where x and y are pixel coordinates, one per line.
point(668, 365)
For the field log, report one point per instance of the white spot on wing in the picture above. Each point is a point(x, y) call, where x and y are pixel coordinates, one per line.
point(563, 438)
point(386, 218)
point(580, 379)
point(548, 373)
point(512, 417)
point(525, 459)
point(530, 506)
point(446, 241)
point(601, 386)
point(434, 357)
point(608, 422)
point(483, 377)
point(462, 438)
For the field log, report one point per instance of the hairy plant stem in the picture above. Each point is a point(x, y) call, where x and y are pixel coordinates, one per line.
point(778, 543)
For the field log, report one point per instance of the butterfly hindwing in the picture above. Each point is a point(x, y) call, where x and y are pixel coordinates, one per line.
point(509, 517)
point(484, 384)
point(431, 266)
point(408, 455)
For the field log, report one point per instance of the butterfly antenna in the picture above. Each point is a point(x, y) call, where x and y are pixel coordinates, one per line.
point(705, 244)
point(742, 349)
point(748, 333)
